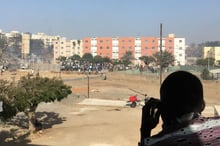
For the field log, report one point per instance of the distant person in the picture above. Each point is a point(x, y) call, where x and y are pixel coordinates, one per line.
point(133, 101)
point(146, 98)
point(133, 98)
point(180, 106)
point(104, 77)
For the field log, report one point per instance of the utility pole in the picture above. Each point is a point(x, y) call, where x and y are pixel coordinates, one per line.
point(88, 84)
point(161, 69)
point(208, 63)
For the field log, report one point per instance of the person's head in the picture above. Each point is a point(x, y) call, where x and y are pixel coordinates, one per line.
point(181, 93)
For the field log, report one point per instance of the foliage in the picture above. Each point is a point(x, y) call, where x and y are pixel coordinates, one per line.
point(98, 59)
point(205, 75)
point(126, 59)
point(164, 60)
point(196, 50)
point(87, 57)
point(115, 61)
point(42, 89)
point(61, 59)
point(212, 43)
point(75, 57)
point(206, 61)
point(9, 108)
point(147, 59)
point(106, 59)
point(29, 92)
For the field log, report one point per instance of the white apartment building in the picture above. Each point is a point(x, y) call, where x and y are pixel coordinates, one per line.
point(179, 51)
point(137, 51)
point(115, 48)
point(94, 46)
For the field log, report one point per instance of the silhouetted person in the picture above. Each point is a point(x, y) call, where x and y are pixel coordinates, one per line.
point(180, 105)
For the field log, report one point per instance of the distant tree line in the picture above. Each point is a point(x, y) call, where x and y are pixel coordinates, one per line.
point(196, 50)
point(164, 59)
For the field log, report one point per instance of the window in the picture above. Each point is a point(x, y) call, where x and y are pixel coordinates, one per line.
point(170, 48)
point(180, 48)
point(100, 41)
point(153, 48)
point(145, 48)
point(170, 41)
point(100, 47)
point(107, 47)
point(145, 41)
point(180, 41)
point(153, 41)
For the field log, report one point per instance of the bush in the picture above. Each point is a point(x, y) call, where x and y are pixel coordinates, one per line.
point(205, 75)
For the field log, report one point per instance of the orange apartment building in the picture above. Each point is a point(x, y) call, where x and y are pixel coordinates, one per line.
point(115, 48)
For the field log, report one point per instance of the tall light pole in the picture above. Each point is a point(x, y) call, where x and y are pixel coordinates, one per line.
point(161, 69)
point(88, 84)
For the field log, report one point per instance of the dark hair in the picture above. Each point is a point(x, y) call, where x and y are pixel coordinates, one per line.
point(180, 93)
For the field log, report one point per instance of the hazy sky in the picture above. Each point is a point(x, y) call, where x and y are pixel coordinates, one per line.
point(196, 20)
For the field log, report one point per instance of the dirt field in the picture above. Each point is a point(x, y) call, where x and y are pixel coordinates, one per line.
point(73, 124)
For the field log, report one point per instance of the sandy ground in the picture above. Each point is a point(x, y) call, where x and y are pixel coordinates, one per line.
point(68, 123)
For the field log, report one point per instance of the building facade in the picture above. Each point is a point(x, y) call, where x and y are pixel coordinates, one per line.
point(179, 51)
point(115, 48)
point(47, 39)
point(25, 47)
point(212, 52)
point(66, 48)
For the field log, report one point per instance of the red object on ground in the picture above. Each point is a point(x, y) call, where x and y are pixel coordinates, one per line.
point(132, 98)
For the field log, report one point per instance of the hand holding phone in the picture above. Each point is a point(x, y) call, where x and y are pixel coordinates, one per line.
point(150, 116)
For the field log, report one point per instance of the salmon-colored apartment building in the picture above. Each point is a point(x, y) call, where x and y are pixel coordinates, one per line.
point(115, 48)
